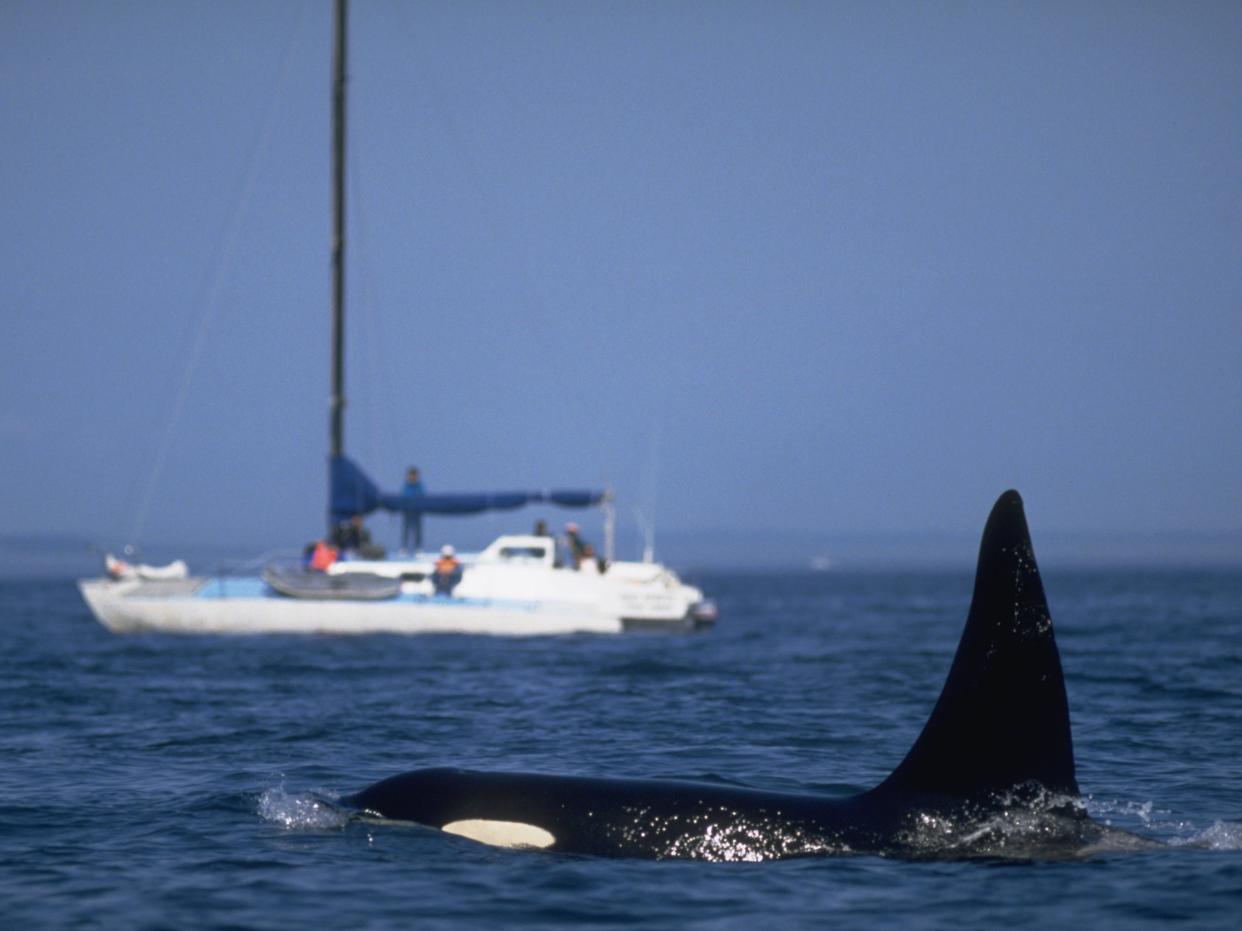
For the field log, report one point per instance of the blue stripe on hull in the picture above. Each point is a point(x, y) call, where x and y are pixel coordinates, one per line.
point(234, 588)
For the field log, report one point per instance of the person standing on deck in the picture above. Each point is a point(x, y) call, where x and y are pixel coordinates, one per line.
point(412, 521)
point(582, 553)
point(575, 544)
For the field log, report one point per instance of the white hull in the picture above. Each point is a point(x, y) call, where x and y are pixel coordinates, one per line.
point(129, 607)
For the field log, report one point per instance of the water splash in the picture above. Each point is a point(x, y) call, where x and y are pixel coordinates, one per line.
point(304, 811)
point(1175, 831)
point(1222, 835)
point(1028, 822)
point(1105, 809)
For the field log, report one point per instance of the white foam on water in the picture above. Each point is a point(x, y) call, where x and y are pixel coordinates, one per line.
point(1163, 823)
point(300, 811)
point(1103, 809)
point(1222, 835)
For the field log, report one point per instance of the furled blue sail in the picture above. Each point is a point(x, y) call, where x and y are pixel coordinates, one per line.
point(353, 492)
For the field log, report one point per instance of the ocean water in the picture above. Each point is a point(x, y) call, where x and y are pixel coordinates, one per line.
point(172, 782)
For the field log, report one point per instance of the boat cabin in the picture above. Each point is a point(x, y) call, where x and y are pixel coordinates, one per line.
point(518, 550)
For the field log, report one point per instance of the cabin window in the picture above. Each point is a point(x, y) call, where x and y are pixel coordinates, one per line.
point(522, 552)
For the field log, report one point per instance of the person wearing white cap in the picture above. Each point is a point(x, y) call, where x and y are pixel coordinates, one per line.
point(448, 571)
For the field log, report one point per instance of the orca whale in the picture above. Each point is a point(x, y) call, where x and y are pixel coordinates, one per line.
point(991, 774)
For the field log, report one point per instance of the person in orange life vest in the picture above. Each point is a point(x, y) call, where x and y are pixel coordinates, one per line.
point(448, 571)
point(319, 556)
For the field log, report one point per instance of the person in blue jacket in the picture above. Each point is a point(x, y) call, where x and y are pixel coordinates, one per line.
point(412, 521)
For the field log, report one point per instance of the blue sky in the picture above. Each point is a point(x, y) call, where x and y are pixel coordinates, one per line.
point(809, 267)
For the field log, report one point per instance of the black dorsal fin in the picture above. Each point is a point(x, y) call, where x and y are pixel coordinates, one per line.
point(1002, 719)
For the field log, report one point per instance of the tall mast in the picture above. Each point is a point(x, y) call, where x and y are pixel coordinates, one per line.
point(337, 403)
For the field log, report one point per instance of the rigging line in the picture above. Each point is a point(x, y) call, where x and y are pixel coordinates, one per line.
point(382, 420)
point(209, 301)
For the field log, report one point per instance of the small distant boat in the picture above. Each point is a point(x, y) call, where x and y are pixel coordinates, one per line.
point(519, 585)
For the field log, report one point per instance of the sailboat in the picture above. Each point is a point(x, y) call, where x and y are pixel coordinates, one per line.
point(521, 584)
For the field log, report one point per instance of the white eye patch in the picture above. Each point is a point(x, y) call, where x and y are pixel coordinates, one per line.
point(501, 833)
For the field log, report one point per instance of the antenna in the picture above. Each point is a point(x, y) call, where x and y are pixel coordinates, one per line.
point(610, 527)
point(647, 529)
